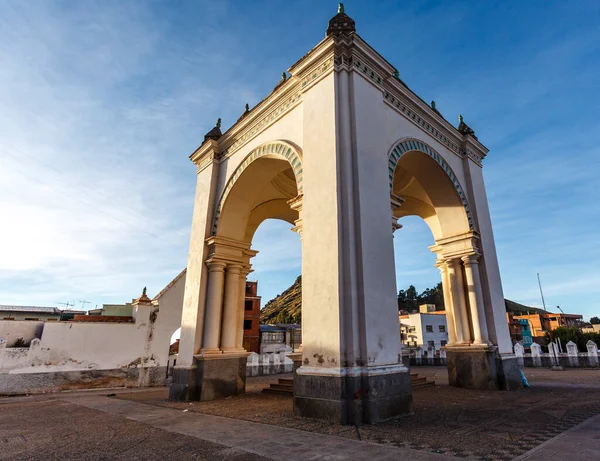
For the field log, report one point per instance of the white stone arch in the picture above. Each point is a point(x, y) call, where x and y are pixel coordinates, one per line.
point(279, 148)
point(405, 145)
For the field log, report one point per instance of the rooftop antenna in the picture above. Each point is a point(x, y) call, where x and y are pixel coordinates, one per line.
point(67, 304)
point(541, 292)
point(83, 303)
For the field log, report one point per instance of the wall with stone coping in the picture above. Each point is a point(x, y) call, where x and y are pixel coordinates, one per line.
point(85, 355)
point(11, 330)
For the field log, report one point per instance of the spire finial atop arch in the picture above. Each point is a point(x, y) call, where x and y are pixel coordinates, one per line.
point(341, 23)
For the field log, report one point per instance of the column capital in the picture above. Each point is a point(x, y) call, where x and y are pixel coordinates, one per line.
point(453, 261)
point(471, 259)
point(215, 265)
point(234, 268)
point(441, 264)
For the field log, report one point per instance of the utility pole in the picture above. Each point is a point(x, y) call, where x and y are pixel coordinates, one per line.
point(541, 292)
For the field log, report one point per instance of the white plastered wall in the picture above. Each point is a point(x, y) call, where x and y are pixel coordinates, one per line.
point(11, 330)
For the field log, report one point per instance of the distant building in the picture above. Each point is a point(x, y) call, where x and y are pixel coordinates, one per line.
point(113, 310)
point(595, 328)
point(426, 329)
point(69, 314)
point(38, 313)
point(520, 330)
point(252, 318)
point(280, 337)
point(541, 323)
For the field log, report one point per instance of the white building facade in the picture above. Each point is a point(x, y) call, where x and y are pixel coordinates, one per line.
point(426, 330)
point(342, 149)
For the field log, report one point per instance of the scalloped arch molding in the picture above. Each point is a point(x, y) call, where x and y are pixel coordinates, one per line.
point(277, 148)
point(408, 145)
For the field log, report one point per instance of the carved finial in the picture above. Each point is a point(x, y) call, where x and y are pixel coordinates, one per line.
point(396, 74)
point(218, 125)
point(144, 292)
point(433, 105)
point(247, 108)
point(463, 128)
point(341, 23)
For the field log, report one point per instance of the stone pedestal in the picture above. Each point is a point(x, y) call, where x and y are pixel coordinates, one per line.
point(353, 396)
point(473, 367)
point(211, 377)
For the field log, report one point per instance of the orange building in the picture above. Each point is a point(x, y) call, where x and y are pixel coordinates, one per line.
point(543, 322)
point(252, 318)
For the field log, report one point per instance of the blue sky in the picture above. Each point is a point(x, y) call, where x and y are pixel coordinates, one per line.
point(103, 101)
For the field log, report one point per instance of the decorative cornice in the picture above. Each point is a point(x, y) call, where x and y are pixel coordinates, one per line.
point(423, 121)
point(261, 123)
point(352, 53)
point(471, 154)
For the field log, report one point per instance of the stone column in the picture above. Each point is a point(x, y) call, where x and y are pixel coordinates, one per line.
point(461, 319)
point(480, 331)
point(214, 307)
point(239, 333)
point(443, 267)
point(230, 308)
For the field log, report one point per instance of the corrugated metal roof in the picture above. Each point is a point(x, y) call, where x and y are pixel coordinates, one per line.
point(38, 309)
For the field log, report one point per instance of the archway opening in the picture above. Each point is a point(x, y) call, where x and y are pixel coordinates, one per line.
point(265, 189)
point(426, 200)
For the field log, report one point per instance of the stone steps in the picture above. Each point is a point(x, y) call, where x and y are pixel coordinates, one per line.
point(285, 386)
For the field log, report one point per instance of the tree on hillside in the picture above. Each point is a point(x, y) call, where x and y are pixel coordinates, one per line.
point(595, 320)
point(409, 300)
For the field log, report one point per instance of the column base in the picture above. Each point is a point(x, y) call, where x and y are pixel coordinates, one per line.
point(352, 395)
point(482, 367)
point(211, 377)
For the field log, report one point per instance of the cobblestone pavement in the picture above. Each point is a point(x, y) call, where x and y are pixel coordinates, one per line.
point(483, 425)
point(554, 420)
point(577, 444)
point(51, 429)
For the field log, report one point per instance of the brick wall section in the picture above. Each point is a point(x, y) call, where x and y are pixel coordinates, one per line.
point(252, 317)
point(102, 319)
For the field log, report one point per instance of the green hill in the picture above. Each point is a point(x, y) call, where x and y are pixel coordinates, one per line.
point(287, 307)
point(520, 309)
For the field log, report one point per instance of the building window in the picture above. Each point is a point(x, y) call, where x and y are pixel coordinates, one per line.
point(248, 306)
point(273, 338)
point(430, 345)
point(442, 328)
point(444, 343)
point(429, 328)
point(247, 324)
point(412, 329)
point(32, 318)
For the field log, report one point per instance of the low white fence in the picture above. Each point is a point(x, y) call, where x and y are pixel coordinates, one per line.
point(571, 359)
point(268, 364)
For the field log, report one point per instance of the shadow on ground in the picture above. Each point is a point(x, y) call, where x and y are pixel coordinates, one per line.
point(484, 425)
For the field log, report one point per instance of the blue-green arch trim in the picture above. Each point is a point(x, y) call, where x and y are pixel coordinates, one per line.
point(276, 148)
point(407, 145)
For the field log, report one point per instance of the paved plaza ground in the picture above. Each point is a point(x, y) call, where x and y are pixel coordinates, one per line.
point(557, 418)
